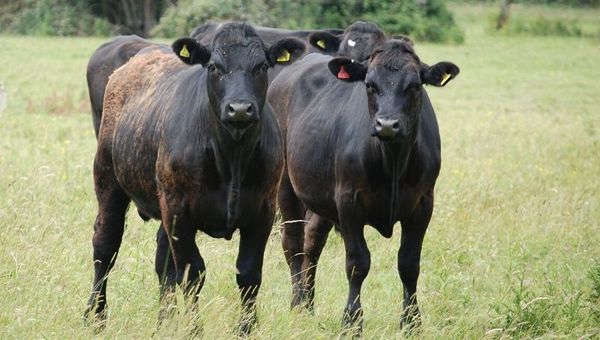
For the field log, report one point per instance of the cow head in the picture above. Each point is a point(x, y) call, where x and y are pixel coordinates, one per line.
point(237, 62)
point(394, 78)
point(357, 42)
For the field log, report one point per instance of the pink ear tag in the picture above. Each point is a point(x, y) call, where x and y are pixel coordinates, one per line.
point(342, 74)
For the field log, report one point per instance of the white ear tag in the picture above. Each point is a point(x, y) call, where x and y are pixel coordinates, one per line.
point(351, 43)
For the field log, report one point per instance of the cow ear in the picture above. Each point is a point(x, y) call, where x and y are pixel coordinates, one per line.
point(347, 69)
point(439, 74)
point(324, 41)
point(286, 51)
point(190, 51)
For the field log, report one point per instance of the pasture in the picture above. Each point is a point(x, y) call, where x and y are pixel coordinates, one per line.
point(513, 248)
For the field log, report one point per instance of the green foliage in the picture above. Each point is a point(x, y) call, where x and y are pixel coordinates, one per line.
point(572, 3)
point(547, 21)
point(545, 27)
point(52, 17)
point(180, 20)
point(430, 20)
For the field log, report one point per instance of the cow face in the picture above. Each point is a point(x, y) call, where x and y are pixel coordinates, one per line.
point(357, 42)
point(394, 78)
point(237, 62)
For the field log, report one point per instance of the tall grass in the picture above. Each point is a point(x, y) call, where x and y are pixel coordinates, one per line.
point(512, 249)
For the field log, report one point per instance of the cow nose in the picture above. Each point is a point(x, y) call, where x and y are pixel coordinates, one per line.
point(238, 111)
point(387, 128)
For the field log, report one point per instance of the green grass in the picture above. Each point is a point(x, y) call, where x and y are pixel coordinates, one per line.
point(513, 249)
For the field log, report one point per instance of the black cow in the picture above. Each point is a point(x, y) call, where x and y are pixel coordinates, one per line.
point(328, 44)
point(105, 60)
point(356, 42)
point(197, 147)
point(358, 155)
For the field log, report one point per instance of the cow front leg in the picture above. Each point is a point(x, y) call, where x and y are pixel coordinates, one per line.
point(292, 236)
point(108, 233)
point(178, 261)
point(253, 239)
point(409, 257)
point(358, 260)
point(316, 232)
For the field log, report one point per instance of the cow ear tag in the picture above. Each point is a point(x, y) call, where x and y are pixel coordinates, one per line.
point(342, 73)
point(445, 79)
point(321, 43)
point(284, 57)
point(184, 52)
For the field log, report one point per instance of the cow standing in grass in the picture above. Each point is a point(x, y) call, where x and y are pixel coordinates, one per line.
point(362, 147)
point(197, 147)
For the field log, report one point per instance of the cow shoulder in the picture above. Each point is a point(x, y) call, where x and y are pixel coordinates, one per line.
point(129, 82)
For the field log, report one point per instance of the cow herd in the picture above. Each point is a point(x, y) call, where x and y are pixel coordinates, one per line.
point(334, 127)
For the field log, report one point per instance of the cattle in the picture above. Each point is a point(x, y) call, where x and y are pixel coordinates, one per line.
point(204, 33)
point(195, 145)
point(362, 147)
point(356, 42)
point(103, 62)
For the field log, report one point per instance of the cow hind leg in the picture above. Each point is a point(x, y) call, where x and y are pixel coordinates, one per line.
point(409, 257)
point(292, 235)
point(316, 232)
point(108, 233)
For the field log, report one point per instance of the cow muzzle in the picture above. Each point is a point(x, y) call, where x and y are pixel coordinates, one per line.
point(239, 115)
point(387, 129)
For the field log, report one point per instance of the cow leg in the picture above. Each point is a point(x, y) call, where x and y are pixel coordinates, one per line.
point(196, 272)
point(189, 273)
point(253, 239)
point(178, 260)
point(166, 272)
point(292, 235)
point(358, 259)
point(409, 257)
point(315, 237)
point(108, 233)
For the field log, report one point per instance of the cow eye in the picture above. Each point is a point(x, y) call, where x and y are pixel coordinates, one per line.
point(216, 70)
point(260, 69)
point(372, 88)
point(413, 88)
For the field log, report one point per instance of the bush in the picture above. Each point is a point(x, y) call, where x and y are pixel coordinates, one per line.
point(431, 20)
point(571, 3)
point(51, 17)
point(423, 20)
point(543, 26)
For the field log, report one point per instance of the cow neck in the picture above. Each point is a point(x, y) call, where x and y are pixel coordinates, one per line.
point(233, 158)
point(395, 160)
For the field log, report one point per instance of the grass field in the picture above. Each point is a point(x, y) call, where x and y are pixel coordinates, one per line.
point(513, 249)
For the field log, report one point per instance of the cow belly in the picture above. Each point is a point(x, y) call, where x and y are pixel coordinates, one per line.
point(213, 216)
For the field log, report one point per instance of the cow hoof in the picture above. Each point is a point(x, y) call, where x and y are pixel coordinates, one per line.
point(411, 321)
point(246, 325)
point(94, 318)
point(352, 324)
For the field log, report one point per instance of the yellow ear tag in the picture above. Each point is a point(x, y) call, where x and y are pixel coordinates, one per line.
point(445, 79)
point(321, 44)
point(184, 52)
point(285, 57)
